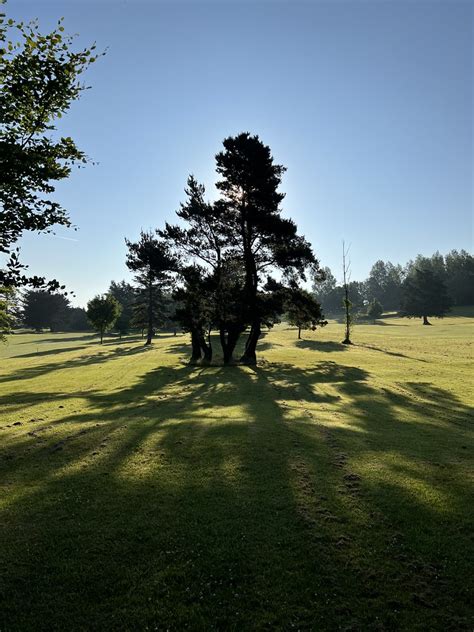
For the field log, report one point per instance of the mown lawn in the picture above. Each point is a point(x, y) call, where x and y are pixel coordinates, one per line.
point(330, 488)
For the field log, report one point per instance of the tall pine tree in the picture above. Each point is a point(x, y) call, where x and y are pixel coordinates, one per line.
point(262, 238)
point(152, 263)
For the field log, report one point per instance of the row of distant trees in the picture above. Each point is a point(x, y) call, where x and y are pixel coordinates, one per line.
point(40, 309)
point(425, 286)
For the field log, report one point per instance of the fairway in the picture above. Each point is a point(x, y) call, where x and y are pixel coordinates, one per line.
point(138, 492)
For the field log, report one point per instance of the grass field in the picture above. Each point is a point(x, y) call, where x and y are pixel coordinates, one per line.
point(330, 488)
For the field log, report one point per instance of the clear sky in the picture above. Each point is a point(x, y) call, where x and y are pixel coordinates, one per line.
point(368, 105)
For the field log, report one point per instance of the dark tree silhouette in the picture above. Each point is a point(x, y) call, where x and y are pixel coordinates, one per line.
point(126, 295)
point(303, 310)
point(42, 309)
point(261, 237)
point(40, 79)
point(460, 277)
point(346, 300)
point(424, 295)
point(76, 320)
point(10, 311)
point(384, 284)
point(204, 238)
point(195, 310)
point(152, 262)
point(374, 310)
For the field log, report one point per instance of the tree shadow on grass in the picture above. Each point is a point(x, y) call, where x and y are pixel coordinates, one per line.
point(196, 498)
point(96, 357)
point(59, 339)
point(321, 345)
point(383, 323)
point(49, 352)
point(394, 354)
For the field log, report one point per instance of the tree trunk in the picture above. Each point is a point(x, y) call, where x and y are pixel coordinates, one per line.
point(149, 335)
point(299, 333)
point(229, 338)
point(426, 321)
point(101, 335)
point(206, 348)
point(196, 348)
point(250, 354)
point(227, 352)
point(347, 339)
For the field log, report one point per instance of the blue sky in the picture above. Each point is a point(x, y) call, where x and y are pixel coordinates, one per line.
point(368, 105)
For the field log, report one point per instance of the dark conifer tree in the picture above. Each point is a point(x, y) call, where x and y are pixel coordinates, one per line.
point(126, 295)
point(152, 262)
point(195, 310)
point(374, 310)
point(262, 238)
point(303, 310)
point(42, 310)
point(207, 238)
point(424, 295)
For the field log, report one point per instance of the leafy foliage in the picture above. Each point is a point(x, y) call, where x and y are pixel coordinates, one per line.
point(424, 294)
point(384, 285)
point(8, 311)
point(261, 237)
point(237, 240)
point(459, 267)
point(102, 312)
point(40, 78)
point(152, 261)
point(374, 309)
point(303, 310)
point(126, 296)
point(42, 309)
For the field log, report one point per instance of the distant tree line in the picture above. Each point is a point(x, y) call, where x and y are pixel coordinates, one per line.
point(187, 297)
point(425, 286)
point(40, 309)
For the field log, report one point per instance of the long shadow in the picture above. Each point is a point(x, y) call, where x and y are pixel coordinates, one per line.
point(49, 352)
point(321, 345)
point(382, 323)
point(80, 361)
point(390, 353)
point(196, 498)
point(85, 337)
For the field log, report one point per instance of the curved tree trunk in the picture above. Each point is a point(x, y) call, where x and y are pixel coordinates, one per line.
point(205, 347)
point(196, 348)
point(250, 354)
point(149, 334)
point(229, 337)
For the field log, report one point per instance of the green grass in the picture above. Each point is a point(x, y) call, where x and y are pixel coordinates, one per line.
point(330, 488)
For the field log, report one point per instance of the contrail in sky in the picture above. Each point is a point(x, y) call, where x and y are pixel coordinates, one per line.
point(65, 238)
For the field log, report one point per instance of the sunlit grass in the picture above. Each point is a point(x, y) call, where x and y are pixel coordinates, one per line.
point(328, 488)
